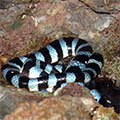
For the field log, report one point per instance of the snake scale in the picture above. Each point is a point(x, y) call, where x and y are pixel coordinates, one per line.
point(41, 70)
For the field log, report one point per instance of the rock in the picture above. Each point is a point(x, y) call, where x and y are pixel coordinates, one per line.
point(10, 98)
point(7, 102)
point(101, 6)
point(105, 114)
point(65, 107)
point(26, 26)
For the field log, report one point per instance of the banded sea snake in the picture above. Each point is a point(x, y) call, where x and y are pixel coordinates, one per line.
point(39, 70)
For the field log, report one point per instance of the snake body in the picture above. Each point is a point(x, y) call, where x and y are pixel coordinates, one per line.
point(40, 70)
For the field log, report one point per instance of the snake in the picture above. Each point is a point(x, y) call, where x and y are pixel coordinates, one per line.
point(42, 70)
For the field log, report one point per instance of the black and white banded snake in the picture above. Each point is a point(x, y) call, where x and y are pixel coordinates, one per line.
point(40, 70)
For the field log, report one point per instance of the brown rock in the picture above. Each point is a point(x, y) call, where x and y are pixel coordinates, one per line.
point(103, 6)
point(57, 108)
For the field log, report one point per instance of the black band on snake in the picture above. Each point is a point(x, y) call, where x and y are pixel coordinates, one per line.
point(39, 70)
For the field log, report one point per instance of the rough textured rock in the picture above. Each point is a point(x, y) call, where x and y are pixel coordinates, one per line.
point(11, 97)
point(103, 6)
point(82, 103)
point(63, 108)
point(26, 26)
point(57, 108)
point(105, 114)
point(76, 105)
point(7, 103)
point(23, 26)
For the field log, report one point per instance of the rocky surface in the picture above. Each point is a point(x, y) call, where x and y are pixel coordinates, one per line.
point(23, 26)
point(11, 97)
point(66, 106)
point(103, 6)
point(27, 25)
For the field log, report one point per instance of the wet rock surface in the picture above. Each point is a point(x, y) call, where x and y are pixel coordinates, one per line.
point(26, 26)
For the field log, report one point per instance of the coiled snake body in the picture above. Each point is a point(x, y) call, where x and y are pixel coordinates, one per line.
point(40, 70)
